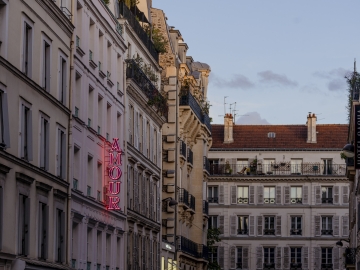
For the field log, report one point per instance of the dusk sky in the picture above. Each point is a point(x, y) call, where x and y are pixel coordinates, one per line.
point(278, 60)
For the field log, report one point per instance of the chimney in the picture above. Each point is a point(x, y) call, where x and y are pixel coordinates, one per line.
point(311, 128)
point(228, 128)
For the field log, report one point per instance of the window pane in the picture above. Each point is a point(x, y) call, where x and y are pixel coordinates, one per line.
point(293, 192)
point(299, 193)
point(272, 192)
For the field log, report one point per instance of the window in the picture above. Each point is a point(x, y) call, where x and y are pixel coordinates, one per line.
point(243, 223)
point(213, 222)
point(295, 258)
point(239, 258)
point(326, 258)
point(326, 226)
point(4, 121)
point(43, 230)
point(243, 195)
point(326, 194)
point(26, 132)
point(27, 49)
point(60, 236)
point(62, 80)
point(61, 154)
point(327, 166)
point(24, 222)
point(213, 254)
point(268, 165)
point(296, 195)
point(296, 166)
point(46, 66)
point(269, 226)
point(241, 165)
point(269, 194)
point(296, 226)
point(44, 143)
point(269, 257)
point(213, 194)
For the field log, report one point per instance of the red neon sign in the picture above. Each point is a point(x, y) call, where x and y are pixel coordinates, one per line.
point(114, 172)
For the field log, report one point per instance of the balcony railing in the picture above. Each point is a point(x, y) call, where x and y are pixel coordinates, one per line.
point(269, 231)
point(326, 266)
point(243, 200)
point(205, 252)
point(242, 232)
point(127, 14)
point(350, 256)
point(295, 266)
point(269, 266)
point(295, 232)
point(192, 202)
point(205, 208)
point(183, 148)
point(187, 246)
point(283, 168)
point(133, 71)
point(190, 156)
point(326, 232)
point(269, 200)
point(213, 199)
point(183, 196)
point(296, 200)
point(327, 200)
point(206, 164)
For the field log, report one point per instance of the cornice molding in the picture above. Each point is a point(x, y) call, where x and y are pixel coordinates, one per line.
point(278, 178)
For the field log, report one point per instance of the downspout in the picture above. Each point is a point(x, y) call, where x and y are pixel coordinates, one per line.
point(126, 159)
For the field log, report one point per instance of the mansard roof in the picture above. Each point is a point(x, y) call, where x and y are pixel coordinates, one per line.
point(287, 137)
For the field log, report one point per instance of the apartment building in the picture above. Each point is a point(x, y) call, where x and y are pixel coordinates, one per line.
point(97, 142)
point(35, 38)
point(186, 140)
point(279, 195)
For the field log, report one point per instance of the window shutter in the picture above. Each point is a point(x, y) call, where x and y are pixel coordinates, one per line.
point(47, 150)
point(221, 224)
point(245, 258)
point(287, 195)
point(221, 194)
point(143, 194)
point(278, 258)
point(151, 198)
point(63, 155)
point(232, 257)
point(27, 226)
point(136, 129)
point(30, 137)
point(305, 199)
point(278, 225)
point(260, 194)
point(62, 236)
point(151, 146)
point(318, 195)
point(233, 194)
point(305, 257)
point(221, 257)
point(336, 220)
point(336, 258)
point(252, 225)
point(286, 258)
point(251, 195)
point(345, 193)
point(345, 225)
point(317, 225)
point(158, 154)
point(259, 225)
point(5, 116)
point(22, 130)
point(233, 225)
point(336, 194)
point(46, 231)
point(317, 258)
point(278, 194)
point(259, 258)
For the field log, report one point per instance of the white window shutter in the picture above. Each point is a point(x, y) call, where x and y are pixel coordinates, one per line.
point(259, 258)
point(318, 195)
point(345, 193)
point(251, 195)
point(336, 194)
point(260, 194)
point(233, 194)
point(287, 195)
point(259, 225)
point(278, 225)
point(221, 257)
point(317, 258)
point(30, 137)
point(336, 258)
point(336, 224)
point(305, 257)
point(251, 225)
point(345, 226)
point(286, 262)
point(317, 225)
point(233, 225)
point(278, 258)
point(221, 224)
point(221, 194)
point(245, 258)
point(278, 195)
point(305, 199)
point(232, 257)
point(5, 115)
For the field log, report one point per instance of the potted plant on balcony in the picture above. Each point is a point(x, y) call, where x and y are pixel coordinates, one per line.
point(228, 169)
point(253, 166)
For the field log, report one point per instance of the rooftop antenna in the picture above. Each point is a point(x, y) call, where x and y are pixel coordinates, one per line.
point(234, 113)
point(230, 107)
point(354, 65)
point(225, 105)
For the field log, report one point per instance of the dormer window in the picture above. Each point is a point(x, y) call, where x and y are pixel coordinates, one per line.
point(271, 135)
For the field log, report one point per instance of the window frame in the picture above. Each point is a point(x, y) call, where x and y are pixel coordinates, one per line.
point(268, 251)
point(244, 222)
point(328, 256)
point(62, 78)
point(213, 198)
point(328, 222)
point(27, 45)
point(26, 145)
point(296, 200)
point(271, 223)
point(4, 118)
point(327, 198)
point(211, 220)
point(270, 200)
point(241, 190)
point(44, 140)
point(294, 220)
point(297, 259)
point(61, 152)
point(45, 79)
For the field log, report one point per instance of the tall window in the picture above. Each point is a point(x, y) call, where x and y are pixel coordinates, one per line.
point(61, 154)
point(4, 121)
point(62, 80)
point(295, 257)
point(243, 195)
point(269, 228)
point(269, 194)
point(326, 226)
point(46, 66)
point(213, 222)
point(60, 236)
point(26, 132)
point(326, 194)
point(213, 195)
point(326, 258)
point(213, 254)
point(43, 230)
point(269, 257)
point(44, 143)
point(296, 166)
point(27, 49)
point(243, 224)
point(296, 195)
point(24, 223)
point(239, 258)
point(327, 166)
point(296, 226)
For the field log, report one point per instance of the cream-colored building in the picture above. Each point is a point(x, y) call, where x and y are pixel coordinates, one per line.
point(186, 140)
point(279, 195)
point(35, 53)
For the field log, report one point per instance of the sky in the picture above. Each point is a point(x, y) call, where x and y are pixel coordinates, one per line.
point(278, 60)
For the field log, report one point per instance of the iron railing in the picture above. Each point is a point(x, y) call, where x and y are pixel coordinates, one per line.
point(190, 156)
point(269, 200)
point(242, 232)
point(269, 266)
point(192, 202)
point(326, 232)
point(269, 231)
point(243, 200)
point(127, 14)
point(213, 199)
point(296, 200)
point(206, 164)
point(295, 232)
point(205, 207)
point(284, 168)
point(187, 246)
point(327, 200)
point(206, 121)
point(183, 148)
point(326, 266)
point(350, 256)
point(295, 266)
point(183, 196)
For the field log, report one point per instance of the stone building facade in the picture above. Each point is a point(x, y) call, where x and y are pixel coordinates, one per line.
point(279, 195)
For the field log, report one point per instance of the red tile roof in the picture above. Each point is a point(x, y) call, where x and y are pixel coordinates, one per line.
point(287, 137)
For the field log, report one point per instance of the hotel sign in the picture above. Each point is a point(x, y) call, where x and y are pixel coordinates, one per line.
point(357, 137)
point(112, 176)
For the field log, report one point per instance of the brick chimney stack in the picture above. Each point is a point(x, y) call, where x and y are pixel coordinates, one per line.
point(311, 128)
point(228, 128)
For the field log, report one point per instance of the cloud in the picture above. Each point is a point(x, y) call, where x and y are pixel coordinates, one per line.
point(252, 118)
point(310, 88)
point(337, 85)
point(335, 78)
point(270, 77)
point(237, 81)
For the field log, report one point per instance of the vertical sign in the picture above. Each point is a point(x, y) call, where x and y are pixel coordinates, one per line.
point(357, 136)
point(113, 171)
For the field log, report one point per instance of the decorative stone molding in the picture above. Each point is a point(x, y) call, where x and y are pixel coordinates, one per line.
point(24, 178)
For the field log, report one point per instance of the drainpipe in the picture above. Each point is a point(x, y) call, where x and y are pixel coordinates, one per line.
point(126, 156)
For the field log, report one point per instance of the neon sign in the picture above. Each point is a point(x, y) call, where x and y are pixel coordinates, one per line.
point(113, 171)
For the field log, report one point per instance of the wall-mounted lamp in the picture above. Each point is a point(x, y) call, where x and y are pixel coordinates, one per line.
point(340, 243)
point(349, 150)
point(170, 201)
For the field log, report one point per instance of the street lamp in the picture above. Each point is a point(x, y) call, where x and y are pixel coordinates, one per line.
point(170, 201)
point(349, 150)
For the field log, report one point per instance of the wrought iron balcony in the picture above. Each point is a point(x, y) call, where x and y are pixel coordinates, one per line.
point(295, 266)
point(205, 208)
point(296, 200)
point(203, 252)
point(187, 246)
point(326, 232)
point(326, 266)
point(183, 196)
point(128, 14)
point(192, 202)
point(295, 232)
point(269, 231)
point(327, 200)
point(242, 232)
point(206, 121)
point(190, 156)
point(269, 200)
point(183, 148)
point(213, 199)
point(243, 200)
point(269, 266)
point(206, 164)
point(350, 256)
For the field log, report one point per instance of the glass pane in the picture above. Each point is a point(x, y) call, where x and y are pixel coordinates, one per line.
point(266, 192)
point(299, 192)
point(323, 192)
point(293, 192)
point(329, 223)
point(299, 223)
point(323, 219)
point(240, 223)
point(246, 219)
point(215, 191)
point(246, 192)
point(240, 192)
point(272, 192)
point(329, 192)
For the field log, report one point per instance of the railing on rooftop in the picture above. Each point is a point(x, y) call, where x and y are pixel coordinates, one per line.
point(127, 14)
point(278, 169)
